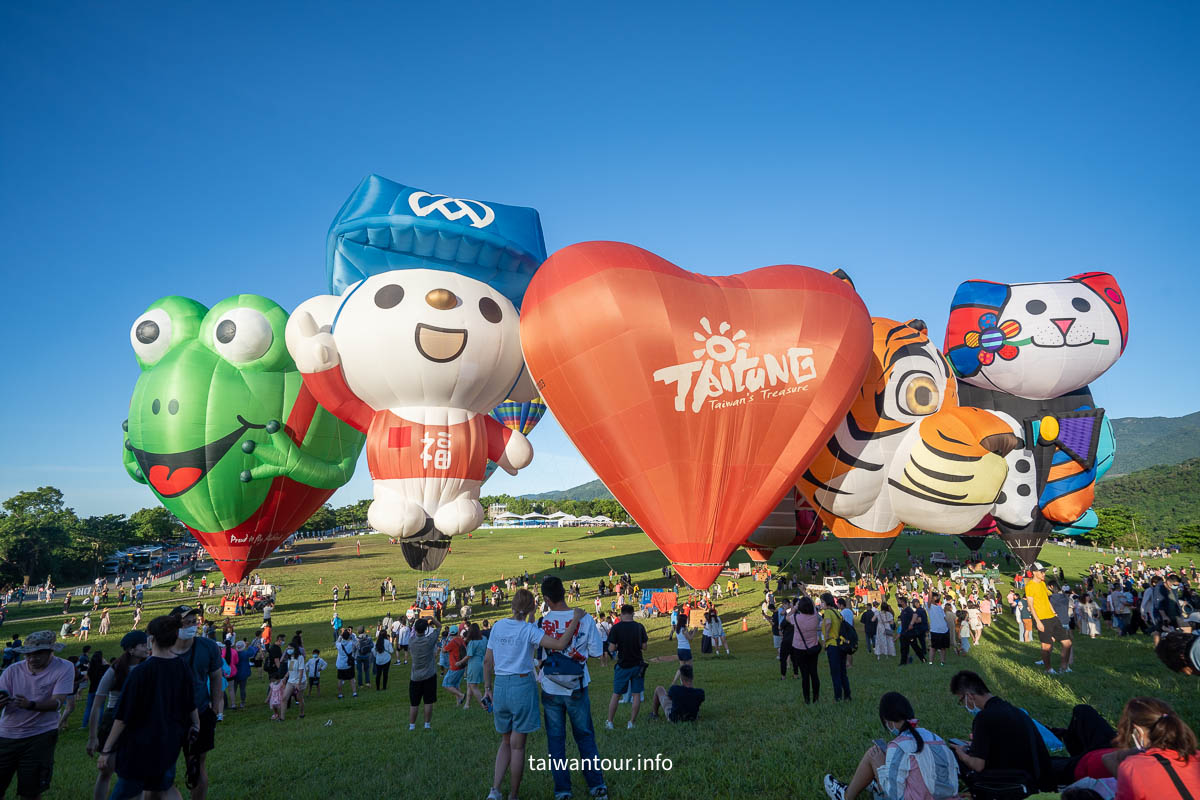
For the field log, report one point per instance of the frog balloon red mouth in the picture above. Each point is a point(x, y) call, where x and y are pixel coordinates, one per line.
point(172, 474)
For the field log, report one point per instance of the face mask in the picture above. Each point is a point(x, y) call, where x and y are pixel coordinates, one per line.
point(188, 633)
point(972, 710)
point(291, 651)
point(1138, 741)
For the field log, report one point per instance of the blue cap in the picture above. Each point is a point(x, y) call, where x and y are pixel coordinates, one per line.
point(386, 226)
point(133, 639)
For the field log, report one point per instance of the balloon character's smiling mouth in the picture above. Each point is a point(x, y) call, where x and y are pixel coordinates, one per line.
point(440, 344)
point(172, 474)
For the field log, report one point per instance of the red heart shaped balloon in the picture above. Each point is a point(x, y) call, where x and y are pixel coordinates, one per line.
point(697, 400)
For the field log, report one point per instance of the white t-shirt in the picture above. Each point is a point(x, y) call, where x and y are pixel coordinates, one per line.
point(587, 643)
point(512, 643)
point(681, 641)
point(937, 620)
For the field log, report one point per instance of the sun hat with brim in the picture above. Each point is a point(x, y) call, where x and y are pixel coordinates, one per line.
point(182, 611)
point(40, 640)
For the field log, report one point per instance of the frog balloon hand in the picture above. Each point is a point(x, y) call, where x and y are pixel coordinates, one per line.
point(129, 459)
point(312, 346)
point(280, 456)
point(518, 452)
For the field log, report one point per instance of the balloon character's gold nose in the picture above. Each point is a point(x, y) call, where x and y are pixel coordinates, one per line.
point(441, 299)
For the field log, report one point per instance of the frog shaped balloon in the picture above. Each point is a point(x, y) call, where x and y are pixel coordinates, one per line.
point(223, 430)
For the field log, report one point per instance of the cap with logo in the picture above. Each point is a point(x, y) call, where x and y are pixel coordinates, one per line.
point(385, 226)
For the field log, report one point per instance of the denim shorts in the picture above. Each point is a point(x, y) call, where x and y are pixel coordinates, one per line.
point(627, 679)
point(453, 678)
point(684, 655)
point(515, 706)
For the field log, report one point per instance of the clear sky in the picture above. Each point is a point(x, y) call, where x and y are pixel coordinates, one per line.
point(202, 149)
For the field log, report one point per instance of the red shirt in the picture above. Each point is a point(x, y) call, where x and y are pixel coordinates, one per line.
point(1090, 765)
point(457, 650)
point(1142, 777)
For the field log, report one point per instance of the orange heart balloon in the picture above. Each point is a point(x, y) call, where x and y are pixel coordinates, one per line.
point(697, 400)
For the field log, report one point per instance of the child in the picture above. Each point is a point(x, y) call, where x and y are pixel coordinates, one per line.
point(275, 696)
point(964, 633)
point(313, 667)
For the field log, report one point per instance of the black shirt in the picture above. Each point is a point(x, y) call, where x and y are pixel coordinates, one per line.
point(1005, 737)
point(274, 653)
point(629, 638)
point(869, 622)
point(685, 702)
point(156, 706)
point(906, 618)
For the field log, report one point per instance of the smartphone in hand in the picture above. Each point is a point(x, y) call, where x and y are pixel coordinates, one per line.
point(959, 742)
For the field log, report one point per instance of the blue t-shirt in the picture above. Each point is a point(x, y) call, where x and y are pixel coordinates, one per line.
point(203, 658)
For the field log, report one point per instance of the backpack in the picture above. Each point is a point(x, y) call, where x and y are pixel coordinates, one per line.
point(848, 638)
point(364, 647)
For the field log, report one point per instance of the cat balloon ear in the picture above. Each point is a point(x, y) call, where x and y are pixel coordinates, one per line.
point(918, 325)
point(1105, 285)
point(841, 275)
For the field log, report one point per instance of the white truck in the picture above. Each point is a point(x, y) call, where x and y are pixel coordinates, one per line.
point(835, 585)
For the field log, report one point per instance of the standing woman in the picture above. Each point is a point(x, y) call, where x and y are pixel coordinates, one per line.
point(476, 650)
point(806, 646)
point(347, 646)
point(1088, 617)
point(719, 628)
point(95, 671)
point(683, 644)
point(885, 635)
point(831, 632)
point(508, 667)
point(108, 694)
point(245, 660)
point(297, 677)
point(383, 658)
point(105, 622)
point(975, 623)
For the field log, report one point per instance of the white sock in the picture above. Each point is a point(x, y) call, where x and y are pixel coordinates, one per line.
point(427, 726)
point(412, 726)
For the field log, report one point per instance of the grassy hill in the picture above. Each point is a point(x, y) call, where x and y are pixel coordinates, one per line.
point(755, 737)
point(1162, 497)
point(592, 490)
point(1149, 441)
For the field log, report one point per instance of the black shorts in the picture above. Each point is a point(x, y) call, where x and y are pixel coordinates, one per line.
point(939, 641)
point(423, 691)
point(31, 759)
point(1053, 631)
point(403, 647)
point(314, 681)
point(345, 674)
point(208, 728)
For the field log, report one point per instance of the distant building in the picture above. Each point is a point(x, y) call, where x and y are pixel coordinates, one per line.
point(496, 509)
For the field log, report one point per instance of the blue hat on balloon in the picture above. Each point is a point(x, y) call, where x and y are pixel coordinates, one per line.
point(386, 226)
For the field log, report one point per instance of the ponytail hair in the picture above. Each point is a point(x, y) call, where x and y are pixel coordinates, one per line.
point(1164, 728)
point(895, 708)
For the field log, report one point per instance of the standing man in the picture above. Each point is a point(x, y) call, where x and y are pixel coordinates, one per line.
point(905, 635)
point(1046, 621)
point(422, 679)
point(565, 680)
point(626, 641)
point(35, 690)
point(203, 658)
point(939, 630)
point(870, 621)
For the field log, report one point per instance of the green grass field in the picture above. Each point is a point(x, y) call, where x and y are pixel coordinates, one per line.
point(756, 738)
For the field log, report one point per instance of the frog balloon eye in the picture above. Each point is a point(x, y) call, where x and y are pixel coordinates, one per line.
point(242, 335)
point(151, 335)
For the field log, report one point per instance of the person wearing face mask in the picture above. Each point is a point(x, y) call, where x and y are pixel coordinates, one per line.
point(108, 695)
point(915, 765)
point(155, 716)
point(296, 676)
point(1005, 748)
point(1159, 757)
point(203, 659)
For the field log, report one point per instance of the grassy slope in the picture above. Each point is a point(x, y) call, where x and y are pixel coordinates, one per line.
point(756, 737)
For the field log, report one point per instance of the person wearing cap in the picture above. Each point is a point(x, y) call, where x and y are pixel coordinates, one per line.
point(154, 717)
point(455, 649)
point(32, 692)
point(135, 649)
point(203, 658)
point(1046, 620)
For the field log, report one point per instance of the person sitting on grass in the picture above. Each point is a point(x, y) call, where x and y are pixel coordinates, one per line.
point(679, 703)
point(1180, 652)
point(915, 765)
point(1159, 758)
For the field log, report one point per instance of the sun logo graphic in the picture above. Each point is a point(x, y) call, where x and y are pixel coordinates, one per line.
point(725, 375)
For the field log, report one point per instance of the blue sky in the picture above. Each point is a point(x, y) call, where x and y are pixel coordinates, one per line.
point(153, 149)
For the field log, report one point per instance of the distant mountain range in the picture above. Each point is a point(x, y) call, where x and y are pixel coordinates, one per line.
point(1142, 442)
point(592, 490)
point(1163, 497)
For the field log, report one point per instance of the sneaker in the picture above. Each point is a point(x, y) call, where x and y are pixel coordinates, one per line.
point(1039, 663)
point(835, 788)
point(354, 695)
point(562, 796)
point(1052, 671)
point(600, 793)
point(608, 724)
point(1065, 671)
point(428, 727)
point(412, 726)
point(629, 726)
point(494, 794)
